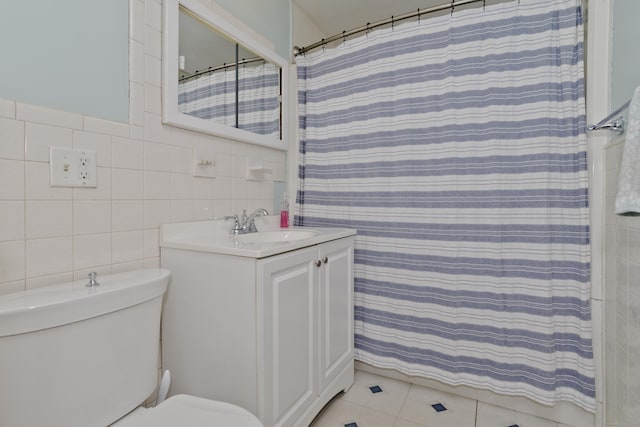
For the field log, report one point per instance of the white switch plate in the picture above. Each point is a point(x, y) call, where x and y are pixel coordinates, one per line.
point(72, 168)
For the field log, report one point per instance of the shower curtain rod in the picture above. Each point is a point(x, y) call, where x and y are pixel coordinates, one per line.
point(220, 67)
point(451, 5)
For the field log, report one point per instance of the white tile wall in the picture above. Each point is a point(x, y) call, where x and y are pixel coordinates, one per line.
point(144, 175)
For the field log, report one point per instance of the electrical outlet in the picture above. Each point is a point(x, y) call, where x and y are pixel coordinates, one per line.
point(72, 168)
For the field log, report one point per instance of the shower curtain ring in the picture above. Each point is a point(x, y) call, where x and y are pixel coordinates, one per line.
point(344, 36)
point(392, 22)
point(418, 16)
point(452, 6)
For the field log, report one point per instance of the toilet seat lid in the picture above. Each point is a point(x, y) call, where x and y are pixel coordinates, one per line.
point(189, 411)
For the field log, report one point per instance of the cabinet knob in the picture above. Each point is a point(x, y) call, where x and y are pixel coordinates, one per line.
point(318, 263)
point(325, 260)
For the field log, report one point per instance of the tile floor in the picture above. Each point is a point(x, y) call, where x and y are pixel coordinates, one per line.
point(375, 401)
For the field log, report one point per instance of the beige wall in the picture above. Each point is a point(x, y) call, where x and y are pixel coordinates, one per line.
point(49, 235)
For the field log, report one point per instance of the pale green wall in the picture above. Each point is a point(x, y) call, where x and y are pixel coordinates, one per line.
point(271, 18)
point(74, 55)
point(625, 71)
point(70, 55)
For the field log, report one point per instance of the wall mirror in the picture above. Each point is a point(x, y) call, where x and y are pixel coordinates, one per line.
point(218, 79)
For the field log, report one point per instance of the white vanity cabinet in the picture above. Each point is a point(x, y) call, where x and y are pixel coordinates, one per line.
point(272, 334)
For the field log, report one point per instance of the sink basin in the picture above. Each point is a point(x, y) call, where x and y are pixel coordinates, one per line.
point(276, 236)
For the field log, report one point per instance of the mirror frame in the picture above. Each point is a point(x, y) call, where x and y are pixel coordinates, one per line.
point(170, 73)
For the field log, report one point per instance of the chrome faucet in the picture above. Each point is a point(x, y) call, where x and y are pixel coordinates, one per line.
point(246, 223)
point(249, 224)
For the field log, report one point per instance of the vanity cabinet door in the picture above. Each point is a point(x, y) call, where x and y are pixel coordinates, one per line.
point(288, 291)
point(335, 305)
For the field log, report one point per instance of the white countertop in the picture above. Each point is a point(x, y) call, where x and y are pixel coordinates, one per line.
point(214, 236)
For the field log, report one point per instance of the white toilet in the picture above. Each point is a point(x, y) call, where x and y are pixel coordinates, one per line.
point(78, 356)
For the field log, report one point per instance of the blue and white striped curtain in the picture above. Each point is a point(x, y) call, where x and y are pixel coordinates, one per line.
point(212, 96)
point(456, 147)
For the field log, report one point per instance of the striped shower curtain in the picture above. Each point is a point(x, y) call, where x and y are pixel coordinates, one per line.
point(212, 96)
point(456, 146)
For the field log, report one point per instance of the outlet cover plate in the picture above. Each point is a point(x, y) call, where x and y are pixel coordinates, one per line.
point(72, 167)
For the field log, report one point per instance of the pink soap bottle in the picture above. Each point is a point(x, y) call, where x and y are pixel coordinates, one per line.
point(284, 212)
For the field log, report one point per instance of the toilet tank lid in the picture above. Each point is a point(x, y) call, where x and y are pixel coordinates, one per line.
point(56, 305)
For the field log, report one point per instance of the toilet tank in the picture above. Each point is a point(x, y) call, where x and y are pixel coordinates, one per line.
point(73, 356)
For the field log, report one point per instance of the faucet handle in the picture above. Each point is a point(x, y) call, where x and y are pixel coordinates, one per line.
point(92, 280)
point(236, 224)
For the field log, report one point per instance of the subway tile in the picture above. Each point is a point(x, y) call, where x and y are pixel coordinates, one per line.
point(153, 42)
point(49, 218)
point(153, 15)
point(107, 127)
point(203, 210)
point(182, 210)
point(181, 137)
point(127, 246)
point(39, 138)
point(181, 160)
point(54, 279)
point(91, 217)
point(204, 188)
point(37, 184)
point(11, 139)
point(92, 250)
point(151, 243)
point(12, 186)
point(137, 131)
point(153, 71)
point(154, 130)
point(136, 104)
point(157, 185)
point(127, 153)
point(150, 263)
point(136, 61)
point(182, 186)
point(156, 212)
point(97, 142)
point(7, 108)
point(47, 257)
point(122, 267)
point(12, 224)
point(136, 23)
point(126, 184)
point(153, 102)
point(48, 116)
point(12, 261)
point(101, 192)
point(157, 157)
point(224, 164)
point(12, 287)
point(127, 215)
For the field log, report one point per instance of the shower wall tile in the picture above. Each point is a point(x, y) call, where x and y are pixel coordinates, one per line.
point(144, 178)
